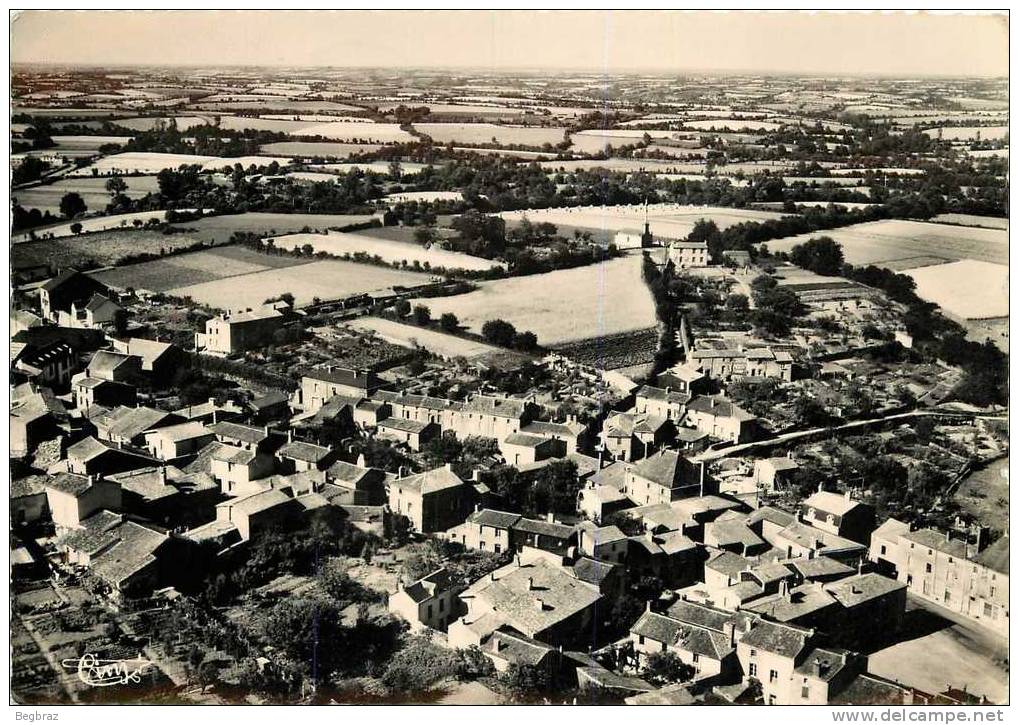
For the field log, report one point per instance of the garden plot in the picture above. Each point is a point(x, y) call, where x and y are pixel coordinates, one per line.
point(561, 306)
point(894, 241)
point(438, 343)
point(325, 280)
point(394, 252)
point(490, 133)
point(221, 228)
point(968, 289)
point(674, 221)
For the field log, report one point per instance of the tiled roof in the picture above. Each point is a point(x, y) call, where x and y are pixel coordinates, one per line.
point(936, 540)
point(304, 451)
point(995, 556)
point(719, 407)
point(404, 425)
point(861, 588)
point(183, 431)
point(239, 432)
point(666, 468)
point(523, 439)
point(499, 407)
point(543, 528)
point(781, 639)
point(493, 518)
point(801, 601)
point(129, 423)
point(670, 396)
point(362, 379)
point(430, 481)
point(832, 503)
point(68, 483)
point(727, 563)
point(534, 597)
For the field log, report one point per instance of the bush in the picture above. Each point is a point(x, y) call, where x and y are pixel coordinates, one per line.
point(419, 665)
point(499, 332)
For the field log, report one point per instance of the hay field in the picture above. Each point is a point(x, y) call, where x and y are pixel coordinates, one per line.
point(325, 280)
point(160, 275)
point(220, 228)
point(88, 143)
point(254, 103)
point(561, 306)
point(339, 243)
point(969, 289)
point(324, 149)
point(93, 191)
point(147, 123)
point(140, 162)
point(733, 124)
point(484, 133)
point(895, 242)
point(674, 221)
point(378, 167)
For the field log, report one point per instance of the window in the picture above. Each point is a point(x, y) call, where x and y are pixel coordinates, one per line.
point(665, 647)
point(753, 653)
point(773, 676)
point(696, 658)
point(884, 549)
point(640, 639)
point(992, 591)
point(988, 610)
point(929, 568)
point(442, 605)
point(753, 669)
point(805, 692)
point(429, 611)
point(948, 596)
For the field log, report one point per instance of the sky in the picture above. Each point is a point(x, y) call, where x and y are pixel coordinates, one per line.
point(905, 44)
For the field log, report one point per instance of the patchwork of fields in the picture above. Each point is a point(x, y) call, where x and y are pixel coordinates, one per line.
point(561, 306)
point(324, 149)
point(94, 224)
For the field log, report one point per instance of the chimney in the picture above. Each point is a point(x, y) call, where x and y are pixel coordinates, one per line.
point(361, 461)
point(449, 466)
point(783, 589)
point(516, 559)
point(846, 494)
point(539, 605)
point(91, 479)
point(647, 606)
point(729, 628)
point(265, 430)
point(162, 475)
point(530, 584)
point(290, 436)
point(668, 389)
point(477, 507)
point(550, 517)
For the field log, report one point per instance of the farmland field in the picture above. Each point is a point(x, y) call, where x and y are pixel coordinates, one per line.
point(141, 163)
point(734, 124)
point(338, 243)
point(425, 196)
point(278, 105)
point(88, 143)
point(378, 167)
point(968, 289)
point(160, 275)
point(102, 247)
point(890, 240)
point(561, 306)
point(439, 343)
point(483, 133)
point(966, 133)
point(667, 220)
point(220, 228)
point(325, 280)
point(95, 224)
point(972, 220)
point(324, 149)
point(148, 123)
point(651, 166)
point(93, 191)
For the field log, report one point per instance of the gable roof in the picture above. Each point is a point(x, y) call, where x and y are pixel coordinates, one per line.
point(666, 468)
point(304, 451)
point(784, 640)
point(436, 479)
point(239, 432)
point(832, 503)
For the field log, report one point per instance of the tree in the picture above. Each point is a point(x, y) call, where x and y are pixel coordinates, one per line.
point(422, 315)
point(664, 668)
point(499, 332)
point(419, 665)
point(71, 205)
point(822, 255)
point(425, 235)
point(526, 682)
point(402, 308)
point(449, 322)
point(737, 302)
point(76, 228)
point(116, 186)
point(526, 341)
